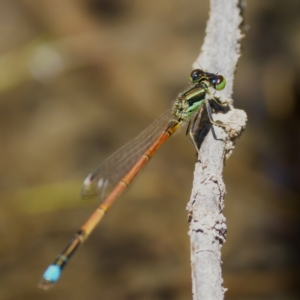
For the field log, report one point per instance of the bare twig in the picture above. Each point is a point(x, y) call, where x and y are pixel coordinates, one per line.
point(220, 53)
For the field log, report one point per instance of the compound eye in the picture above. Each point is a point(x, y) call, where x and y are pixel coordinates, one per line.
point(218, 82)
point(195, 75)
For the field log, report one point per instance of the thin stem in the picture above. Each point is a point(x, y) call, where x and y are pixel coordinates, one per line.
point(219, 53)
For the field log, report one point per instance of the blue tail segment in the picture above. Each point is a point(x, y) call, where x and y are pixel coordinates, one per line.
point(52, 273)
point(50, 277)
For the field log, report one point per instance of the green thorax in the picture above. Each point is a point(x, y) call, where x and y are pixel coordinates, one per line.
point(189, 101)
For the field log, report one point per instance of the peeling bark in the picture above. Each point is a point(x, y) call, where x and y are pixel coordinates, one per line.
point(219, 53)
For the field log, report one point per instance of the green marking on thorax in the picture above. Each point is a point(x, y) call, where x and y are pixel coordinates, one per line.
point(195, 107)
point(190, 101)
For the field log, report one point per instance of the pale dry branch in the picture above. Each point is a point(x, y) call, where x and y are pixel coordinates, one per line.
point(219, 53)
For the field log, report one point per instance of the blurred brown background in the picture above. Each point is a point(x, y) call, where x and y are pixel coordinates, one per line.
point(80, 78)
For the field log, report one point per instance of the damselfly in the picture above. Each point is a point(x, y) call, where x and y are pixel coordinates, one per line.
point(115, 174)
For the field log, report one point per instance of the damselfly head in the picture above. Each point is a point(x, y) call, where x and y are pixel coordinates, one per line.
point(218, 82)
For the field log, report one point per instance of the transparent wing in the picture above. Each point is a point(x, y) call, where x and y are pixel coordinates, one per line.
point(100, 182)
